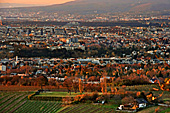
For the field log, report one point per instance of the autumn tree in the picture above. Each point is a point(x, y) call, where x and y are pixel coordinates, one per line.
point(53, 82)
point(1, 80)
point(92, 78)
point(46, 70)
point(25, 69)
point(68, 84)
point(15, 80)
point(6, 79)
point(42, 81)
point(104, 85)
point(80, 86)
point(8, 83)
point(75, 84)
point(24, 82)
point(89, 87)
point(127, 100)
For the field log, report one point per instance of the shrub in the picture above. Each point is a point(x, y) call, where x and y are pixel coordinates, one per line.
point(94, 96)
point(31, 95)
point(127, 100)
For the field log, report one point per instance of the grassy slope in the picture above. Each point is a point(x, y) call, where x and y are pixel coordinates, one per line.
point(60, 94)
point(152, 110)
point(165, 111)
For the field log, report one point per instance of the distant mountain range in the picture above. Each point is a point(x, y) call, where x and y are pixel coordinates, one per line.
point(14, 5)
point(103, 6)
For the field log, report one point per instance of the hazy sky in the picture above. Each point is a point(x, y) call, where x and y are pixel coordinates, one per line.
point(44, 2)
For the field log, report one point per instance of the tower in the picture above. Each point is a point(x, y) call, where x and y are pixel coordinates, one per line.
point(0, 20)
point(16, 58)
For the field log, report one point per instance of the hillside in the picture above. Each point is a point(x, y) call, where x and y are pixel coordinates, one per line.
point(103, 6)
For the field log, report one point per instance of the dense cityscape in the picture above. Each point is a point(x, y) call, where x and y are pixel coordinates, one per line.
point(53, 61)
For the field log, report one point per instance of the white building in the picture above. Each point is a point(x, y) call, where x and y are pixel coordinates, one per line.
point(2, 68)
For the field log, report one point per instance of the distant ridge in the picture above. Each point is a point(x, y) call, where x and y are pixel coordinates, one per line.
point(103, 6)
point(14, 5)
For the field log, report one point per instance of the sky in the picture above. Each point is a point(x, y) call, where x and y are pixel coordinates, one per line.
point(37, 2)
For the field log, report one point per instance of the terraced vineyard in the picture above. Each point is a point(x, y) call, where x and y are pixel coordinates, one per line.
point(9, 101)
point(82, 108)
point(39, 107)
point(17, 102)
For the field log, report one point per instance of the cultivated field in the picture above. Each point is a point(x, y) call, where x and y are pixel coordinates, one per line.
point(58, 94)
point(39, 107)
point(10, 101)
point(17, 102)
point(14, 99)
point(83, 108)
point(61, 94)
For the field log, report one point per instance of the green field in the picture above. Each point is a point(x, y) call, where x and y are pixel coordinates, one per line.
point(60, 94)
point(166, 99)
point(165, 111)
point(87, 108)
point(152, 110)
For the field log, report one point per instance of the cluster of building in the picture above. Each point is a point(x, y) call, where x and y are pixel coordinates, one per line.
point(145, 41)
point(56, 67)
point(15, 15)
point(148, 40)
point(138, 103)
